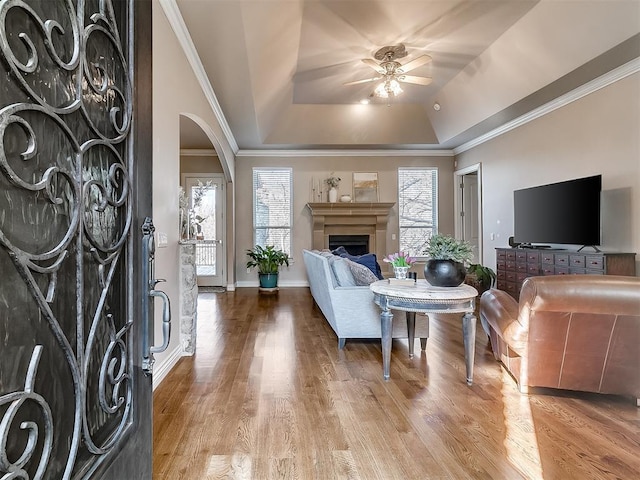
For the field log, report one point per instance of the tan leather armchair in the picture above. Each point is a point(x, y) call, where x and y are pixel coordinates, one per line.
point(574, 332)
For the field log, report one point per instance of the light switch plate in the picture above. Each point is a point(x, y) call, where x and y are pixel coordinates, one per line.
point(162, 240)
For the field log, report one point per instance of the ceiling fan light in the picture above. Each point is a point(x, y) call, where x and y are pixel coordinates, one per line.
point(388, 88)
point(380, 91)
point(394, 85)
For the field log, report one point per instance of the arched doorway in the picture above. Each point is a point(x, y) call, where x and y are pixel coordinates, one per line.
point(203, 180)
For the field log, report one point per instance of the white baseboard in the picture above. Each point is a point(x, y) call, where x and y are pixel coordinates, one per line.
point(161, 369)
point(281, 284)
point(294, 283)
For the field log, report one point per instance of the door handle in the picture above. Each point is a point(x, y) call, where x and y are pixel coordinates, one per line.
point(149, 283)
point(166, 320)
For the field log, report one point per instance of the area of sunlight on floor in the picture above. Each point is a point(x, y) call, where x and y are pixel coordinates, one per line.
point(280, 356)
point(520, 442)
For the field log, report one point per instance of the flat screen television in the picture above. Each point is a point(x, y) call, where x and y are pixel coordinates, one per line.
point(559, 213)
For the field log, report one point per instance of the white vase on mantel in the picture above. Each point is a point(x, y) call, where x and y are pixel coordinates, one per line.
point(333, 195)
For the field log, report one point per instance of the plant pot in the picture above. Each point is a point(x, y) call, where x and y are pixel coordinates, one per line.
point(444, 273)
point(400, 272)
point(333, 195)
point(268, 280)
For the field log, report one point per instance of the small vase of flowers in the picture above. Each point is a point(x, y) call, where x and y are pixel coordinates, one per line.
point(401, 263)
point(333, 183)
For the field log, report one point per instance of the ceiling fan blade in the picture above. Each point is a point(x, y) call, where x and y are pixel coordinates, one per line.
point(414, 79)
point(366, 80)
point(418, 62)
point(373, 64)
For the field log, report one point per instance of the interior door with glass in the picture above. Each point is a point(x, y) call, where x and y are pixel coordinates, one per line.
point(74, 191)
point(207, 201)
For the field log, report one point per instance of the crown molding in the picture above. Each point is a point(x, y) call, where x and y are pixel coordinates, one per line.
point(176, 21)
point(594, 85)
point(198, 152)
point(344, 153)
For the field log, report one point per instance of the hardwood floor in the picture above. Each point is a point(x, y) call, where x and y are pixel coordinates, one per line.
point(269, 396)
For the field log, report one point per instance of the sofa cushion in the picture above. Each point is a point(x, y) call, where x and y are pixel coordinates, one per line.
point(369, 260)
point(342, 273)
point(362, 275)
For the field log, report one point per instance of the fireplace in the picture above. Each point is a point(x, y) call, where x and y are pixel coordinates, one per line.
point(365, 220)
point(354, 244)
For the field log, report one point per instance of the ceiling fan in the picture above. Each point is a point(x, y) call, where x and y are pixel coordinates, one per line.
point(391, 72)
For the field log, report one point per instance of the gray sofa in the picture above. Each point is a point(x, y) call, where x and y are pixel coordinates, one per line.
point(349, 308)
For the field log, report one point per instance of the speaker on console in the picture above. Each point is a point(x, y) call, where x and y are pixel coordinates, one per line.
point(513, 243)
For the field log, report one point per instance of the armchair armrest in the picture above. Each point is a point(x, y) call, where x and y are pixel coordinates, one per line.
point(500, 311)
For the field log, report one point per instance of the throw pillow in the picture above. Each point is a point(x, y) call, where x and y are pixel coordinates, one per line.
point(369, 260)
point(340, 251)
point(342, 273)
point(361, 274)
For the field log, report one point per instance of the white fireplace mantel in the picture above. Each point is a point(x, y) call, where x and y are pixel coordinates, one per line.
point(351, 219)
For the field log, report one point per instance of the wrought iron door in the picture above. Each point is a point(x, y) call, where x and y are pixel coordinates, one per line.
point(71, 393)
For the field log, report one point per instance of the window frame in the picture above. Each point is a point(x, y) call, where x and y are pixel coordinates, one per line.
point(435, 201)
point(289, 171)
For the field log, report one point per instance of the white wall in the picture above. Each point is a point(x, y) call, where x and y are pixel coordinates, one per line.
point(598, 134)
point(175, 92)
point(306, 168)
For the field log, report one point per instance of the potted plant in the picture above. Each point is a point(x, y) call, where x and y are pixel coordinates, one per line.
point(268, 260)
point(480, 277)
point(447, 259)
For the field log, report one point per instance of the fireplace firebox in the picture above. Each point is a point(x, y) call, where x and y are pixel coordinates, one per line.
point(354, 244)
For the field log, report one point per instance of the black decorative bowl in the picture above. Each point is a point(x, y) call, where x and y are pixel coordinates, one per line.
point(444, 273)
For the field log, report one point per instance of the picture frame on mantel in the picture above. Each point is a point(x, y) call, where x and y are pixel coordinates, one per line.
point(365, 187)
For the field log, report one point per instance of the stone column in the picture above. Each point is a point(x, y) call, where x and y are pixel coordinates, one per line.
point(188, 297)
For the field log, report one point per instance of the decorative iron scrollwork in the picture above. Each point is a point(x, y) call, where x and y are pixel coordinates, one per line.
point(64, 152)
point(15, 401)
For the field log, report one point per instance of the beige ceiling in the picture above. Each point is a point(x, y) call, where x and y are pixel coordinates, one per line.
point(278, 68)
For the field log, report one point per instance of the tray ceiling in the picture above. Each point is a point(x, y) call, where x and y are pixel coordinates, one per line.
point(278, 68)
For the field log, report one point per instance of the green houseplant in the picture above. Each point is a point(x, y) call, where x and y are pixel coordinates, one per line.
point(268, 260)
point(447, 259)
point(480, 277)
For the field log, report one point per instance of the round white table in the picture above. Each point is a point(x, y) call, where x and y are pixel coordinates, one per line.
point(421, 297)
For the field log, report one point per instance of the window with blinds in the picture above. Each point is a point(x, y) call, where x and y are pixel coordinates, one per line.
point(272, 207)
point(417, 208)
